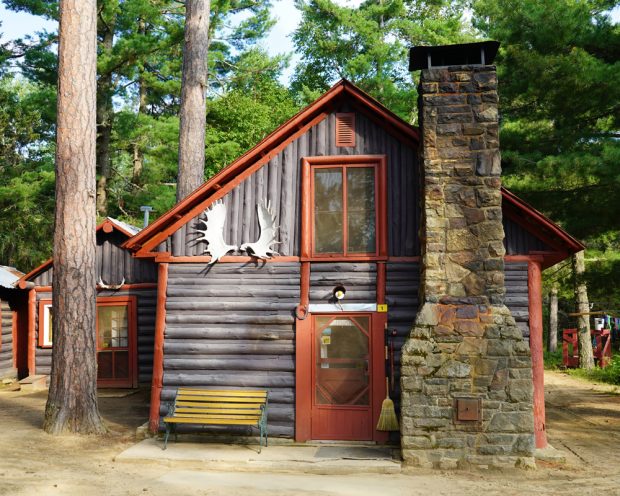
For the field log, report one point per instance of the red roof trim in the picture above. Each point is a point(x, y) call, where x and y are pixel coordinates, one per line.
point(282, 135)
point(540, 225)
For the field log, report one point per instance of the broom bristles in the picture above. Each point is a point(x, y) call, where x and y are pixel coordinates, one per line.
point(387, 419)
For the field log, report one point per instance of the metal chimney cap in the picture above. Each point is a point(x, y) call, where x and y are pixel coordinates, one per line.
point(427, 57)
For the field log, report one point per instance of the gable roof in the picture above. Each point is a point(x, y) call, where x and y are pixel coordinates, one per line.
point(108, 226)
point(540, 226)
point(147, 240)
point(145, 243)
point(9, 276)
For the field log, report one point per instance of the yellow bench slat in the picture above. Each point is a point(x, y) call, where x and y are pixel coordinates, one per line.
point(216, 421)
point(217, 399)
point(209, 404)
point(239, 411)
point(215, 415)
point(222, 392)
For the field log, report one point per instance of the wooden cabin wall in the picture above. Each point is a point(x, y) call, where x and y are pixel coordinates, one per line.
point(6, 337)
point(279, 182)
point(113, 264)
point(359, 279)
point(519, 241)
point(517, 295)
point(145, 306)
point(232, 326)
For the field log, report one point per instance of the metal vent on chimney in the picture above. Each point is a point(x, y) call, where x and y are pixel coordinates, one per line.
point(345, 129)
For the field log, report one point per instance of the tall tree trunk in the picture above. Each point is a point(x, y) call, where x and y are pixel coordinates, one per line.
point(586, 358)
point(72, 400)
point(193, 95)
point(553, 320)
point(138, 157)
point(105, 114)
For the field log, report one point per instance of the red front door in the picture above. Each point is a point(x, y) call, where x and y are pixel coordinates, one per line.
point(343, 399)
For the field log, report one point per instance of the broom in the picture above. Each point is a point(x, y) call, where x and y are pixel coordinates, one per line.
point(387, 418)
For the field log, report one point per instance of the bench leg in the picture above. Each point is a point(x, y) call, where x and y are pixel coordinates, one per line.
point(166, 436)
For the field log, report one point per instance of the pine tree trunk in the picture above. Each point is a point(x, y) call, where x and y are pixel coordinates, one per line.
point(586, 358)
point(72, 400)
point(193, 95)
point(138, 157)
point(553, 320)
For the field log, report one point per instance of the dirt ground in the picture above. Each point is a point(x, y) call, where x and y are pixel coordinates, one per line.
point(583, 420)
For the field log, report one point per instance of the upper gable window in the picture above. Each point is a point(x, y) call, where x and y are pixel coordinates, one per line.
point(344, 210)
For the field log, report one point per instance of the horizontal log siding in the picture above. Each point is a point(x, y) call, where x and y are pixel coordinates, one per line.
point(113, 264)
point(401, 295)
point(146, 303)
point(359, 279)
point(519, 241)
point(517, 295)
point(232, 326)
point(279, 182)
point(6, 336)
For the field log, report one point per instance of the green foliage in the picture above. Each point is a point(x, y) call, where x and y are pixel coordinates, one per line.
point(609, 375)
point(26, 179)
point(553, 361)
point(369, 45)
point(560, 100)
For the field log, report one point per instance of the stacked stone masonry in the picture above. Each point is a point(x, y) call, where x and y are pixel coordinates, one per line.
point(465, 343)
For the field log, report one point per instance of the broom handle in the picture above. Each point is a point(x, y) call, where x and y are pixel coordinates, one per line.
point(387, 365)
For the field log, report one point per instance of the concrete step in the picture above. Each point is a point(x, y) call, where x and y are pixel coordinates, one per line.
point(245, 458)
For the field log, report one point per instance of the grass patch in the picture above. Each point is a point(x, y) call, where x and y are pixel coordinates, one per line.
point(553, 361)
point(609, 375)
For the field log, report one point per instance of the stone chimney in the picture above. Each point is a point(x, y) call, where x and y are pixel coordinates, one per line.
point(466, 369)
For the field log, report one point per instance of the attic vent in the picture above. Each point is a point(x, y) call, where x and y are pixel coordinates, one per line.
point(345, 129)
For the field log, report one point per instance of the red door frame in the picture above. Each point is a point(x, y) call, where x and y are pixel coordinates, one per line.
point(132, 324)
point(130, 302)
point(304, 373)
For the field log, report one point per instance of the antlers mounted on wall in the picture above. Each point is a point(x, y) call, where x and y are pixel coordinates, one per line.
point(213, 233)
point(103, 285)
point(262, 248)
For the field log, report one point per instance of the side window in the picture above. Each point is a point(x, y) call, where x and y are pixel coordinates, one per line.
point(45, 324)
point(344, 210)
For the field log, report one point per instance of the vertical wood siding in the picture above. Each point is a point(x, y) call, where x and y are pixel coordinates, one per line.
point(232, 326)
point(113, 264)
point(146, 302)
point(518, 241)
point(359, 279)
point(279, 182)
point(6, 336)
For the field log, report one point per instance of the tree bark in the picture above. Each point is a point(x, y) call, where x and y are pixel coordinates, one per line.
point(138, 156)
point(193, 98)
point(72, 400)
point(586, 358)
point(553, 320)
point(105, 115)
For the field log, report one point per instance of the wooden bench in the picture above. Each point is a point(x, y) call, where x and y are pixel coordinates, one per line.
point(218, 407)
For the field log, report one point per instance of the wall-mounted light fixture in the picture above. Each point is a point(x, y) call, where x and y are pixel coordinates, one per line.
point(339, 292)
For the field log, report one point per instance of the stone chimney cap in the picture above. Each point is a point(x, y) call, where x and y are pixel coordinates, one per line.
point(427, 57)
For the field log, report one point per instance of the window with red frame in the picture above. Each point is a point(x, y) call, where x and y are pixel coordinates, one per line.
point(344, 210)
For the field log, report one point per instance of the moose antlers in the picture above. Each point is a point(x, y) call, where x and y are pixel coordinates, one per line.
point(213, 233)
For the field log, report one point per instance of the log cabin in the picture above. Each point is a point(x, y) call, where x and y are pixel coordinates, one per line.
point(126, 298)
point(294, 266)
point(343, 233)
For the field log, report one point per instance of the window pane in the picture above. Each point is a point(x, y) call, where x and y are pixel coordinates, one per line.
point(341, 371)
point(112, 322)
point(361, 210)
point(328, 232)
